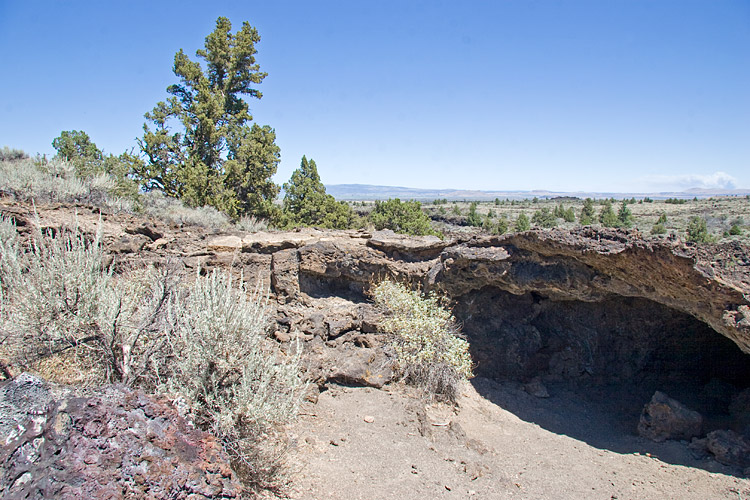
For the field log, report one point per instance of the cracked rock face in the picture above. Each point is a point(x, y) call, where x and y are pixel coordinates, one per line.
point(115, 443)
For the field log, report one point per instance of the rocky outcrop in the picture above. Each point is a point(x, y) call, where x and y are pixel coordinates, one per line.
point(587, 302)
point(115, 443)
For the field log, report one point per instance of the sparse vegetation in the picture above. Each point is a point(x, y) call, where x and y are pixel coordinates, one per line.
point(67, 316)
point(426, 338)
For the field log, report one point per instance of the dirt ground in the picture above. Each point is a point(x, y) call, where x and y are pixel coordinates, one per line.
point(499, 442)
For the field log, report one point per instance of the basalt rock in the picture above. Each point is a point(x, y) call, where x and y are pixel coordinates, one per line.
point(113, 443)
point(665, 418)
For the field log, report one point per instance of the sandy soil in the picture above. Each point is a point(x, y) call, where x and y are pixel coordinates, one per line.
point(500, 442)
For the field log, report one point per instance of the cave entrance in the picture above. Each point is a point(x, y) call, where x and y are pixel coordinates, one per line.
point(630, 346)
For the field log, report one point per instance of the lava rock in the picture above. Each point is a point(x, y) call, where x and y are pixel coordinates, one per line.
point(665, 418)
point(113, 443)
point(728, 447)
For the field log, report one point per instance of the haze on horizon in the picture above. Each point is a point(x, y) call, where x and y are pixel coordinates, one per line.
point(582, 95)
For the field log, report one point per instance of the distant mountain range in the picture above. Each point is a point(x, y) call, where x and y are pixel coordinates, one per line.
point(371, 192)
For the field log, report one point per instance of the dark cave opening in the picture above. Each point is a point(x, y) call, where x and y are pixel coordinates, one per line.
point(632, 343)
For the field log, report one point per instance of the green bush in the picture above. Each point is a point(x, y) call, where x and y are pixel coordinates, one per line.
point(658, 229)
point(522, 223)
point(624, 215)
point(607, 216)
point(587, 212)
point(306, 202)
point(697, 230)
point(402, 217)
point(735, 230)
point(544, 218)
point(430, 352)
point(474, 219)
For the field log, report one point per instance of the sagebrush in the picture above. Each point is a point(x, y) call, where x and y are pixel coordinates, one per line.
point(65, 314)
point(429, 349)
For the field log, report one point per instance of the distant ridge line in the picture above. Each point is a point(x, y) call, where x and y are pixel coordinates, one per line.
point(358, 192)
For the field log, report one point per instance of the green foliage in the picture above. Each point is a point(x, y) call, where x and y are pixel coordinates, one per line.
point(662, 219)
point(624, 216)
point(587, 212)
point(307, 204)
point(647, 200)
point(76, 148)
point(402, 217)
point(426, 338)
point(522, 223)
point(455, 210)
point(214, 158)
point(607, 216)
point(735, 230)
point(502, 225)
point(566, 214)
point(474, 219)
point(675, 201)
point(697, 230)
point(544, 218)
point(253, 160)
point(658, 229)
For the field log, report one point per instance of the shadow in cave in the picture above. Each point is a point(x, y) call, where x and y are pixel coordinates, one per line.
point(601, 362)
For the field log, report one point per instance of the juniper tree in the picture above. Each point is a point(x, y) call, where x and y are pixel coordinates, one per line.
point(307, 204)
point(587, 212)
point(203, 127)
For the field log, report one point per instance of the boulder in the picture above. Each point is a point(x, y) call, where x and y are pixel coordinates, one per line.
point(112, 443)
point(665, 418)
point(729, 448)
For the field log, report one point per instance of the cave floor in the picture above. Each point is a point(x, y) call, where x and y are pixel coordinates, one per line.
point(500, 442)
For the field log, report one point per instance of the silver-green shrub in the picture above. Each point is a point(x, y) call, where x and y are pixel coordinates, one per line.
point(173, 211)
point(59, 299)
point(28, 179)
point(232, 376)
point(426, 338)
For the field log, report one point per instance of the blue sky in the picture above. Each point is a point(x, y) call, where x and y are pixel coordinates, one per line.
point(615, 95)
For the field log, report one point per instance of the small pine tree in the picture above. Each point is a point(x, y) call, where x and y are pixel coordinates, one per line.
point(697, 230)
point(544, 218)
point(587, 212)
point(474, 219)
point(522, 223)
point(607, 216)
point(624, 216)
point(502, 226)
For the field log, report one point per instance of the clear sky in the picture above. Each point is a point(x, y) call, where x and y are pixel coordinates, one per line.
point(599, 95)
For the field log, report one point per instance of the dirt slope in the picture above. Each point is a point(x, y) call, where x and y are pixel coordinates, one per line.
point(483, 451)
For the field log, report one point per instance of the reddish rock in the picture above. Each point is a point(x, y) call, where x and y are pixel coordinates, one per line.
point(665, 418)
point(115, 443)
